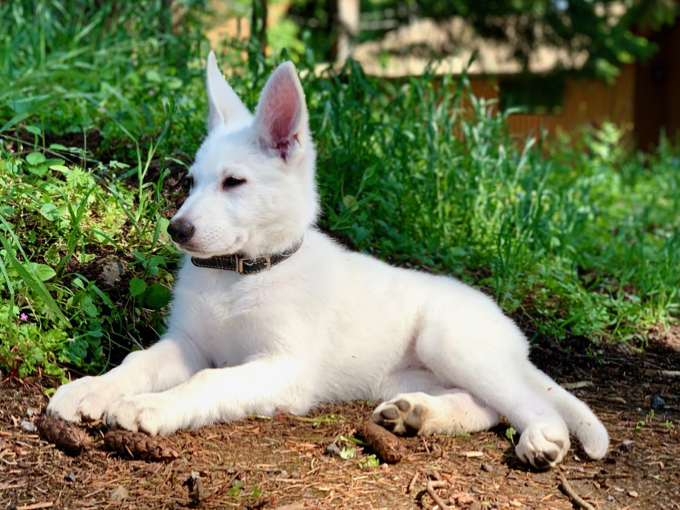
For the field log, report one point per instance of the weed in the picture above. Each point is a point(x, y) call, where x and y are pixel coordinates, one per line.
point(348, 452)
point(649, 419)
point(369, 461)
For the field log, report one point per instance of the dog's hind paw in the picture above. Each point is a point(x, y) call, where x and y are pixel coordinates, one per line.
point(400, 415)
point(543, 445)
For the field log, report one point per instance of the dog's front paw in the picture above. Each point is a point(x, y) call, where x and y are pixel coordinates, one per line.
point(401, 415)
point(83, 399)
point(149, 412)
point(543, 445)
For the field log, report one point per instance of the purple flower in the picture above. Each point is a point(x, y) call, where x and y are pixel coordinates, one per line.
point(152, 92)
point(120, 303)
point(23, 316)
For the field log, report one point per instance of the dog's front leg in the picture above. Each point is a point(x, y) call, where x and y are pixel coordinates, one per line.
point(164, 365)
point(218, 395)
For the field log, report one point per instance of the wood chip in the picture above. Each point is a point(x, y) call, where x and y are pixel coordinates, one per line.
point(63, 434)
point(385, 444)
point(577, 385)
point(135, 445)
point(472, 454)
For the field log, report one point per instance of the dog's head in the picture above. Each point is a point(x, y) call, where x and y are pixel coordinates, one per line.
point(253, 189)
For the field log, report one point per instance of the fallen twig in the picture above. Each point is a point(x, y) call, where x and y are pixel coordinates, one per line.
point(412, 483)
point(569, 491)
point(36, 506)
point(665, 373)
point(431, 486)
point(577, 385)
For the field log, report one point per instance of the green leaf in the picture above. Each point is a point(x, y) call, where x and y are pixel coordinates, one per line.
point(153, 76)
point(33, 129)
point(510, 433)
point(235, 489)
point(50, 212)
point(369, 461)
point(35, 158)
point(83, 257)
point(348, 452)
point(350, 202)
point(41, 271)
point(158, 296)
point(137, 286)
point(174, 83)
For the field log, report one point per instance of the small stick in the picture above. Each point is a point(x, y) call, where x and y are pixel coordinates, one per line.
point(569, 491)
point(577, 385)
point(412, 483)
point(431, 486)
point(666, 373)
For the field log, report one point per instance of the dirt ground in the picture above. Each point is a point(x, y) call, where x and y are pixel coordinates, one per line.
point(286, 462)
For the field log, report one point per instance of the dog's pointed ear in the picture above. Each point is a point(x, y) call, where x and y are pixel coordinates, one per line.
point(281, 119)
point(224, 106)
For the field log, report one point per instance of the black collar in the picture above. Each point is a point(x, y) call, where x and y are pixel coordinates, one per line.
point(241, 265)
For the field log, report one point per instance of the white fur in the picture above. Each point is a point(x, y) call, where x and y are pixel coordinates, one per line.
point(325, 325)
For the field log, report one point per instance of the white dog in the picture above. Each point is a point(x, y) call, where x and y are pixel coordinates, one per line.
point(269, 314)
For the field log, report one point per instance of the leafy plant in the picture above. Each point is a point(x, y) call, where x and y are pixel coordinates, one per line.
point(369, 461)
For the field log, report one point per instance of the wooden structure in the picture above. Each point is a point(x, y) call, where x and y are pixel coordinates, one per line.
point(644, 100)
point(585, 102)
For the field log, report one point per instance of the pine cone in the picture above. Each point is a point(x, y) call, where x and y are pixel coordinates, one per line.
point(135, 445)
point(385, 444)
point(65, 435)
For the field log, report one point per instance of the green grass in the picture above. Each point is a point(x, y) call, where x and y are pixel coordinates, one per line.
point(99, 113)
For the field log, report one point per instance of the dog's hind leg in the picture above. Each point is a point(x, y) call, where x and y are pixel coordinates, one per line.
point(478, 349)
point(439, 411)
point(581, 421)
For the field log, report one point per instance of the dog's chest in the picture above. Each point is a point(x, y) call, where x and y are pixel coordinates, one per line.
point(226, 316)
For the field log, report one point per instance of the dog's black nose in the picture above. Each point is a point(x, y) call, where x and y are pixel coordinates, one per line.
point(180, 230)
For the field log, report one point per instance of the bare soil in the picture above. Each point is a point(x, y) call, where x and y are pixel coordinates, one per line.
point(283, 462)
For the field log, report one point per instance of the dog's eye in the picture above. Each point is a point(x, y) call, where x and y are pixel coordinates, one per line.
point(187, 183)
point(232, 182)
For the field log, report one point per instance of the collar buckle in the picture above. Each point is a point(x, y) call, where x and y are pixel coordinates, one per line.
point(241, 263)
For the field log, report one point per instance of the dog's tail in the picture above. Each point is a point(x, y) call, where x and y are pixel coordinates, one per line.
point(581, 421)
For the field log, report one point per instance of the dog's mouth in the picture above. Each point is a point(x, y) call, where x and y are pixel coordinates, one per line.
point(199, 253)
